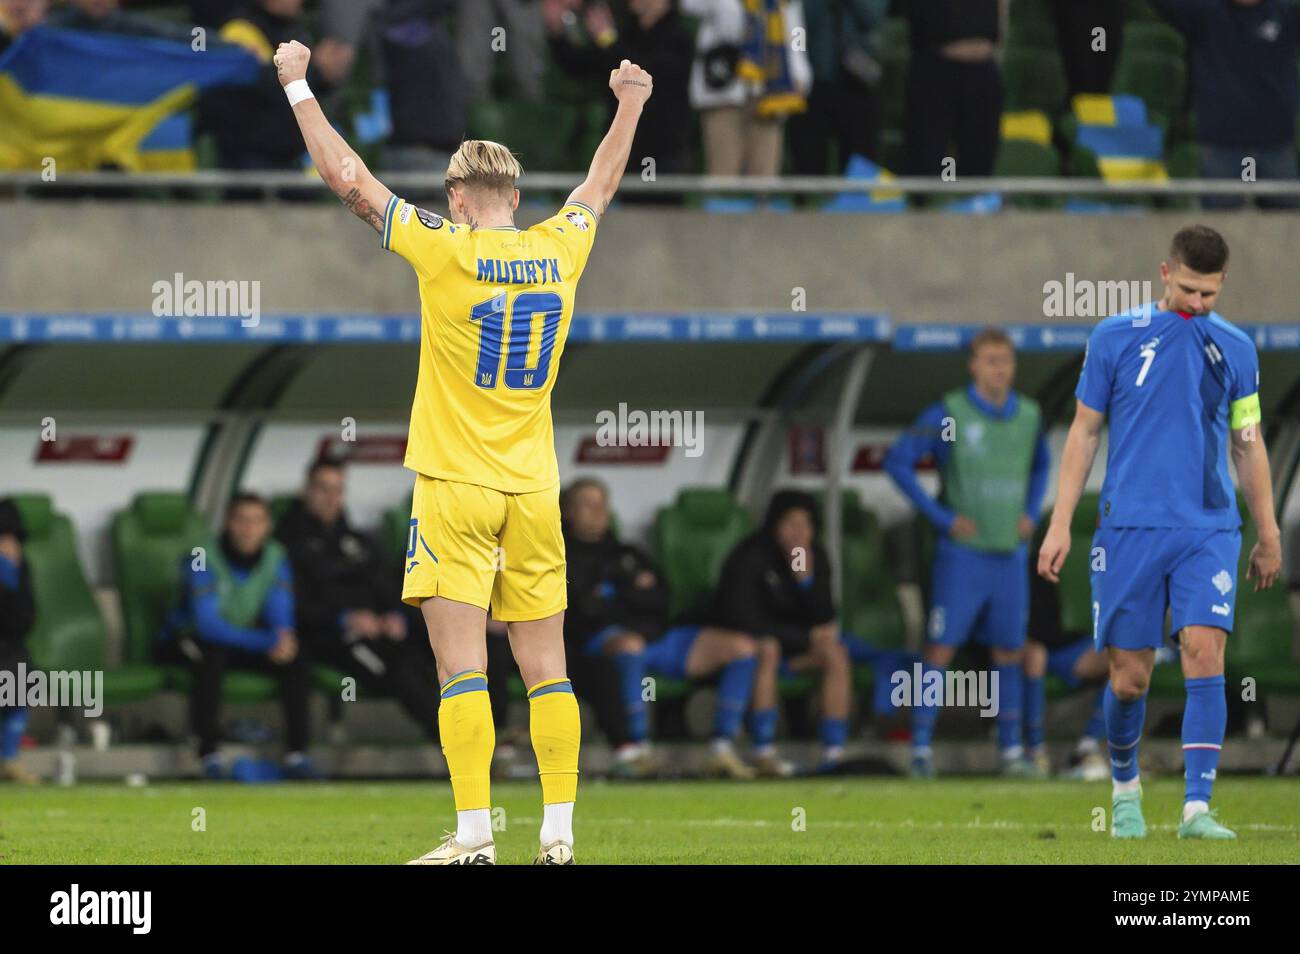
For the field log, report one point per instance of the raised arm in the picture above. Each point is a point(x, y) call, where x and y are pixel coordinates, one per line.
point(632, 86)
point(336, 161)
point(1076, 464)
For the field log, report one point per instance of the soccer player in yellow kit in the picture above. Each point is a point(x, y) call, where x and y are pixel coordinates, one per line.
point(496, 302)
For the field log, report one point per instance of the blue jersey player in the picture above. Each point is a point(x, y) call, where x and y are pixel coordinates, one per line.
point(987, 442)
point(1180, 389)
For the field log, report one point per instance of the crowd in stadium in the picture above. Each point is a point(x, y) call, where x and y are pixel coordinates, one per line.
point(1118, 88)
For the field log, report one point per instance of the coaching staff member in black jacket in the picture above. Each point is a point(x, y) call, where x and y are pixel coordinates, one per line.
point(349, 612)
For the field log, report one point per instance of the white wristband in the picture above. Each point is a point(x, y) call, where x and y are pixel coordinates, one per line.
point(297, 91)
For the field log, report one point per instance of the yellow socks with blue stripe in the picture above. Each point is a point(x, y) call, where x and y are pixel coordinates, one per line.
point(555, 728)
point(468, 739)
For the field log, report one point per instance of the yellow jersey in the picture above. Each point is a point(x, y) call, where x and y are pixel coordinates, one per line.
point(495, 307)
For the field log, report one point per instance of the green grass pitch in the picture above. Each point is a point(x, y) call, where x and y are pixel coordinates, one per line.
point(850, 820)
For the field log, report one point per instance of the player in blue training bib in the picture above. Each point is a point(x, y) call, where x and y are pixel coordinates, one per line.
point(1179, 388)
point(987, 442)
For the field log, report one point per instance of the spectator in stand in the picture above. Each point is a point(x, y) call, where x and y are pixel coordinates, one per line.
point(109, 17)
point(417, 63)
point(251, 127)
point(237, 612)
point(586, 42)
point(954, 86)
point(210, 14)
point(844, 105)
point(17, 618)
point(744, 83)
point(618, 612)
point(776, 583)
point(1244, 89)
point(18, 16)
point(490, 28)
point(349, 604)
point(1088, 69)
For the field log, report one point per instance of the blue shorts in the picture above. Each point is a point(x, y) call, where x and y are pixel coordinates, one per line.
point(666, 656)
point(980, 596)
point(1139, 571)
point(1061, 661)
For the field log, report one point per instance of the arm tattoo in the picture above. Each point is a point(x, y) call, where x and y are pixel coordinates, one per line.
point(363, 210)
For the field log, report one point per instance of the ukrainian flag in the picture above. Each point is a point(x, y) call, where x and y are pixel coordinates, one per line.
point(89, 100)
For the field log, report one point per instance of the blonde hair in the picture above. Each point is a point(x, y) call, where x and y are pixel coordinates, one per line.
point(482, 164)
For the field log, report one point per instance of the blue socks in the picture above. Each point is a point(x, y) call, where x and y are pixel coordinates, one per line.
point(1096, 727)
point(1011, 693)
point(1124, 722)
point(762, 727)
point(13, 723)
point(834, 733)
point(924, 716)
point(734, 688)
point(631, 670)
point(1034, 711)
point(1205, 717)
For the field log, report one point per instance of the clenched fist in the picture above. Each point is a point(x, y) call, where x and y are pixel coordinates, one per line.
point(291, 62)
point(630, 83)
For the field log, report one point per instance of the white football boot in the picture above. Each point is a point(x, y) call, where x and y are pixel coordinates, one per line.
point(452, 852)
point(556, 853)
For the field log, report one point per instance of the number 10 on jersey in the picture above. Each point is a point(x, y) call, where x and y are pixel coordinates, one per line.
point(526, 308)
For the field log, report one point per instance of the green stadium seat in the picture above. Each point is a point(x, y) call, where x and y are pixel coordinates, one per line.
point(1183, 162)
point(1034, 79)
point(1153, 37)
point(1032, 34)
point(895, 63)
point(1076, 583)
point(69, 632)
point(869, 601)
point(149, 540)
point(1264, 642)
point(395, 531)
point(542, 130)
point(692, 539)
point(1139, 11)
point(1018, 157)
point(1030, 11)
point(1158, 78)
point(894, 35)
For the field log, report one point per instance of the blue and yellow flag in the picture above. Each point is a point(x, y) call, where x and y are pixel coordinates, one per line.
point(87, 100)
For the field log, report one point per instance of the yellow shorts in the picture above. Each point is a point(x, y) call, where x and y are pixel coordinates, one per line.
point(476, 545)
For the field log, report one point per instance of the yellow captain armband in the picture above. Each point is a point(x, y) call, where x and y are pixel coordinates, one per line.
point(1245, 412)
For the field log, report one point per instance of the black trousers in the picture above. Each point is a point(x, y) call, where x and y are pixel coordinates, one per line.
point(208, 662)
point(953, 104)
point(394, 668)
point(1088, 70)
point(844, 113)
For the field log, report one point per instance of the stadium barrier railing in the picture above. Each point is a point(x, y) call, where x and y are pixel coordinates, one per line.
point(270, 184)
